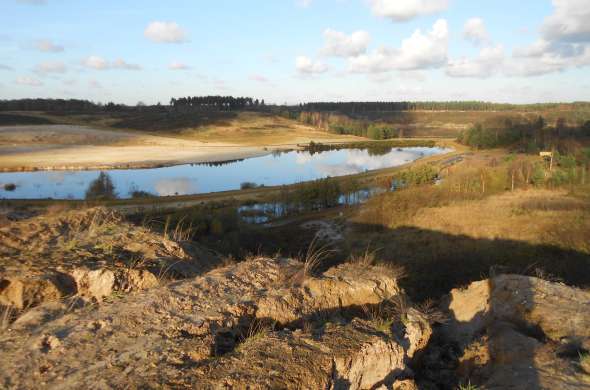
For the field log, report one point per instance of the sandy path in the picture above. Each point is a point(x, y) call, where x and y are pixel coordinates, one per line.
point(76, 147)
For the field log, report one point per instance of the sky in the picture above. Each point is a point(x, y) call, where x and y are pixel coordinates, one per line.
point(291, 51)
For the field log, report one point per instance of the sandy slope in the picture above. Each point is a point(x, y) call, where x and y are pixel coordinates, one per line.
point(77, 147)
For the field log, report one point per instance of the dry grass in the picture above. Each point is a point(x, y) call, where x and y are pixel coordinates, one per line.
point(7, 314)
point(369, 259)
point(314, 257)
point(257, 330)
point(250, 128)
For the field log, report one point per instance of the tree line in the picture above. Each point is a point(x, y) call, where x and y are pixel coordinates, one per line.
point(472, 105)
point(48, 105)
point(530, 135)
point(228, 103)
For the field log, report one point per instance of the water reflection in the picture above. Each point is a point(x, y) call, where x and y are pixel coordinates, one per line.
point(270, 170)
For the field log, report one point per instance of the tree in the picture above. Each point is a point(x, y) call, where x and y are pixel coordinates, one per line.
point(102, 188)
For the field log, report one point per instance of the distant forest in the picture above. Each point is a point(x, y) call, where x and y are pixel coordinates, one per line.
point(530, 135)
point(360, 107)
point(217, 103)
point(231, 103)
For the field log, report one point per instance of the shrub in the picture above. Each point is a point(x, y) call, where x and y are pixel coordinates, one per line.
point(9, 187)
point(102, 188)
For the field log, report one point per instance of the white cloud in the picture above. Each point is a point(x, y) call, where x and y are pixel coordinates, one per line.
point(165, 32)
point(569, 21)
point(489, 62)
point(48, 46)
point(50, 67)
point(306, 65)
point(404, 10)
point(564, 42)
point(178, 66)
point(24, 80)
point(96, 62)
point(419, 51)
point(304, 3)
point(99, 63)
point(339, 44)
point(475, 31)
point(120, 64)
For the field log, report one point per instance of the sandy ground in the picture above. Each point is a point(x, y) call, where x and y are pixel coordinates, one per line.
point(46, 147)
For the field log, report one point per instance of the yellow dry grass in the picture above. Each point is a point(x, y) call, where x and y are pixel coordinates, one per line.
point(534, 216)
point(254, 129)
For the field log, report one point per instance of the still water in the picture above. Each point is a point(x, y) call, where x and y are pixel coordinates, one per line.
point(270, 170)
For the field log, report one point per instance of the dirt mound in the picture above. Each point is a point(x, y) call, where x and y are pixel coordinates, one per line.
point(218, 331)
point(518, 332)
point(92, 253)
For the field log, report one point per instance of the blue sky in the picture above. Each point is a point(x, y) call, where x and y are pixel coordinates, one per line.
point(296, 50)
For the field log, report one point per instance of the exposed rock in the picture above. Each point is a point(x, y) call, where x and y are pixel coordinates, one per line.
point(521, 332)
point(22, 293)
point(185, 334)
point(355, 356)
point(345, 286)
point(92, 252)
point(95, 284)
point(406, 384)
point(135, 280)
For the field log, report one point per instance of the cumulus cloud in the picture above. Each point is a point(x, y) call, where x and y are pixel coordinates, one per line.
point(564, 42)
point(569, 21)
point(48, 46)
point(165, 32)
point(121, 64)
point(488, 63)
point(306, 65)
point(338, 44)
point(475, 31)
point(419, 51)
point(99, 63)
point(5, 67)
point(50, 67)
point(404, 10)
point(24, 80)
point(178, 66)
point(95, 62)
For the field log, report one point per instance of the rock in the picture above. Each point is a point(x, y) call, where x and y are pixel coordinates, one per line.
point(24, 293)
point(135, 280)
point(343, 287)
point(520, 332)
point(95, 284)
point(11, 293)
point(468, 311)
point(406, 384)
point(191, 334)
point(353, 356)
point(417, 332)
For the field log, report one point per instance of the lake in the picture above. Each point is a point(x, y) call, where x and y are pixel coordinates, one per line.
point(269, 170)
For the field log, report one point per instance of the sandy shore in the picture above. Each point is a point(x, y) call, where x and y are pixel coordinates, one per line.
point(61, 147)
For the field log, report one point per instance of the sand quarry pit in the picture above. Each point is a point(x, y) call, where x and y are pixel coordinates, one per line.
point(43, 147)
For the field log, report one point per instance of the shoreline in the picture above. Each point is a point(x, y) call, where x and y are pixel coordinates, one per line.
point(215, 154)
point(129, 205)
point(147, 164)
